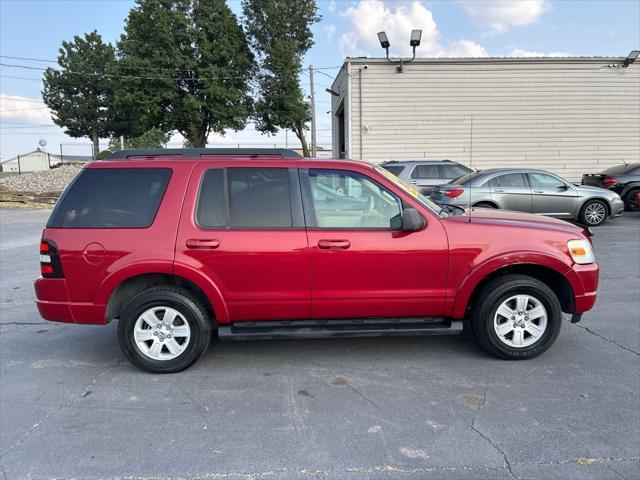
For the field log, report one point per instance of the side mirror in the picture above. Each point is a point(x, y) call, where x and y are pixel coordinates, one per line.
point(412, 221)
point(564, 187)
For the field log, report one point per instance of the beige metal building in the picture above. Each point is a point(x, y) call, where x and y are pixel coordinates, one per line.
point(566, 115)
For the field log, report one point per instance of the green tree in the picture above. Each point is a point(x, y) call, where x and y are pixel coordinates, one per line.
point(280, 33)
point(187, 67)
point(80, 93)
point(153, 138)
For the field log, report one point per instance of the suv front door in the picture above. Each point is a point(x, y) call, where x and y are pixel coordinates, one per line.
point(362, 265)
point(552, 196)
point(243, 227)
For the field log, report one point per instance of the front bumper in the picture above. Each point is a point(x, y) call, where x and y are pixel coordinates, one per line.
point(584, 282)
point(617, 207)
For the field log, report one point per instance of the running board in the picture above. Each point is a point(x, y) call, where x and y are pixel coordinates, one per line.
point(267, 330)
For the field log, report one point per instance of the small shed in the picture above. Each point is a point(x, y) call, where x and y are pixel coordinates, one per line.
point(37, 161)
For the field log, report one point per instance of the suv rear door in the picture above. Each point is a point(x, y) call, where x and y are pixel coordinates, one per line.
point(425, 177)
point(242, 226)
point(362, 265)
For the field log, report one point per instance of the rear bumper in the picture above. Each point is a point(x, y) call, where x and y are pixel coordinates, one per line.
point(54, 305)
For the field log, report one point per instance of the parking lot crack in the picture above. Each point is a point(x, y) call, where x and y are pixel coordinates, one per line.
point(84, 393)
point(607, 339)
point(507, 464)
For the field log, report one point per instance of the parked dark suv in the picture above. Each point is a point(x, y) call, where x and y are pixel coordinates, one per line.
point(177, 244)
point(424, 175)
point(622, 179)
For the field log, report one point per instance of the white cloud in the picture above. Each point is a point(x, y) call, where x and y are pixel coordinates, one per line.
point(330, 31)
point(526, 53)
point(24, 110)
point(499, 15)
point(368, 17)
point(332, 5)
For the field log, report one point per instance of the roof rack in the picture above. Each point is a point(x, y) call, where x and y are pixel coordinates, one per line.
point(199, 152)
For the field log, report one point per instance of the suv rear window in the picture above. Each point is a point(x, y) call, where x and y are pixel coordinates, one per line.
point(111, 198)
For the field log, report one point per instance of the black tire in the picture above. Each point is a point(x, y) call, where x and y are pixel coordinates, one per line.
point(493, 295)
point(631, 201)
point(190, 309)
point(586, 219)
point(485, 205)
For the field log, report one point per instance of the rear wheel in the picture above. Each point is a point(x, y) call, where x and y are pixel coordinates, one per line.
point(164, 330)
point(516, 317)
point(593, 213)
point(631, 200)
point(485, 205)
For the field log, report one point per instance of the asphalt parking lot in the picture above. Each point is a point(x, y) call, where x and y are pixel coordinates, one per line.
point(384, 408)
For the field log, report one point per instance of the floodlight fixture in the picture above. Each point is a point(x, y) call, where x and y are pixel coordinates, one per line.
point(384, 41)
point(332, 92)
point(631, 58)
point(416, 35)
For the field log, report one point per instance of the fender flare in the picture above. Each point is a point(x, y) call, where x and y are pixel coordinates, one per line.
point(628, 187)
point(493, 264)
point(113, 280)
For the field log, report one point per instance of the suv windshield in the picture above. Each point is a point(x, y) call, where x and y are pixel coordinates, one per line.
point(410, 190)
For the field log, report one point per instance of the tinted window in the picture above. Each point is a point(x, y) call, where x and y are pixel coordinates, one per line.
point(512, 180)
point(395, 169)
point(464, 178)
point(349, 200)
point(540, 180)
point(453, 171)
point(259, 197)
point(112, 198)
point(426, 171)
point(212, 208)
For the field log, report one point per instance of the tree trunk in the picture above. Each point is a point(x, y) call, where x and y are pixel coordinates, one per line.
point(197, 139)
point(303, 141)
point(96, 143)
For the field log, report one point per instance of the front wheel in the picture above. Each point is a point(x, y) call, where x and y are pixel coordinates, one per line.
point(593, 213)
point(516, 317)
point(164, 330)
point(631, 200)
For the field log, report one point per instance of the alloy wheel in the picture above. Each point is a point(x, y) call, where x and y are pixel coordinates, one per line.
point(161, 333)
point(595, 213)
point(520, 321)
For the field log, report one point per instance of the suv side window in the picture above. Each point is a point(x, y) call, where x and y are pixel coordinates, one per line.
point(342, 199)
point(453, 171)
point(541, 180)
point(426, 171)
point(111, 198)
point(255, 197)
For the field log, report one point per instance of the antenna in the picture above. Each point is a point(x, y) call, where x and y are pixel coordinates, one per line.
point(470, 163)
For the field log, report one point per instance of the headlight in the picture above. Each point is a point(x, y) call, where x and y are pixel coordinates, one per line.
point(581, 251)
point(616, 196)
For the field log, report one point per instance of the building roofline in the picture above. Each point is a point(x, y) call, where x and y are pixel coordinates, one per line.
point(471, 60)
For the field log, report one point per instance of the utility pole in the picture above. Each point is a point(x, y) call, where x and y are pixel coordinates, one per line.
point(121, 142)
point(313, 113)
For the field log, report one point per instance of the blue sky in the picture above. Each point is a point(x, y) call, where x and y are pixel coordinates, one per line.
point(35, 29)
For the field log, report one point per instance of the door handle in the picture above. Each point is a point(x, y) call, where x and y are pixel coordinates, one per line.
point(203, 243)
point(334, 244)
point(498, 190)
point(538, 191)
point(414, 182)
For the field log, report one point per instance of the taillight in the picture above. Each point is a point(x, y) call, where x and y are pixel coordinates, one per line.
point(50, 266)
point(609, 181)
point(454, 193)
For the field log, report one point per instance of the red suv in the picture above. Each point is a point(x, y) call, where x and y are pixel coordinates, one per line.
point(266, 244)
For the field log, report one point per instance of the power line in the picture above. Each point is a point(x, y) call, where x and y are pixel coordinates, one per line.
point(23, 109)
point(20, 99)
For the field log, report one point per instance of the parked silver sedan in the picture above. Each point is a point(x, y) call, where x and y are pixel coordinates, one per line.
point(534, 191)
